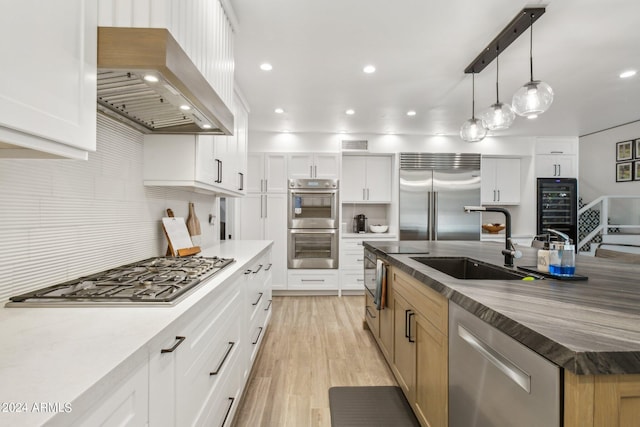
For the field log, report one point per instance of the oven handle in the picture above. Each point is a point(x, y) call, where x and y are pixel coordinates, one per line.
point(313, 230)
point(332, 191)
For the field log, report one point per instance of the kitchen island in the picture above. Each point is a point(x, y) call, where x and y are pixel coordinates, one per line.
point(590, 329)
point(122, 365)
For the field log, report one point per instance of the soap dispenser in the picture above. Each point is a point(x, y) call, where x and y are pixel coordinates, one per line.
point(543, 257)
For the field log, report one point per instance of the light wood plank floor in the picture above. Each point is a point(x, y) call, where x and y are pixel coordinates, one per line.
point(311, 344)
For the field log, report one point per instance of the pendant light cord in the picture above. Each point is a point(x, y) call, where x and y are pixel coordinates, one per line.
point(497, 73)
point(473, 95)
point(531, 47)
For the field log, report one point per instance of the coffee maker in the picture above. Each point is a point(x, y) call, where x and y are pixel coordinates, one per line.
point(360, 223)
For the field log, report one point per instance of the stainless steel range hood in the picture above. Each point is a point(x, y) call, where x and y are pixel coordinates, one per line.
point(148, 81)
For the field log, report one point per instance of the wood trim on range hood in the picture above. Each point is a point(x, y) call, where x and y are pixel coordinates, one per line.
point(126, 55)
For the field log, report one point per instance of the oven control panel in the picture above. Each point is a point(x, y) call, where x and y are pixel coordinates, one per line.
point(310, 184)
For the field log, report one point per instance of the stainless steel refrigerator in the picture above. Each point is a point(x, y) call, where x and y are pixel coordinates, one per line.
point(434, 188)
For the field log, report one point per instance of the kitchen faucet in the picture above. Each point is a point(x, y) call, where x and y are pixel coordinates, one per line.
point(509, 250)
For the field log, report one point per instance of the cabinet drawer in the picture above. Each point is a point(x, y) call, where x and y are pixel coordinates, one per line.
point(426, 301)
point(352, 259)
point(313, 279)
point(371, 314)
point(352, 279)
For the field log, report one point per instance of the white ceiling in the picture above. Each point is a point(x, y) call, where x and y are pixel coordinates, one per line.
point(420, 49)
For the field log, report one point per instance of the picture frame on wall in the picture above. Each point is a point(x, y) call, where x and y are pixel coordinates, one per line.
point(636, 170)
point(624, 151)
point(637, 148)
point(624, 171)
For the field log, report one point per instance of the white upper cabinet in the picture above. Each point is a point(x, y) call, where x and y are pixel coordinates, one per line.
point(48, 84)
point(316, 165)
point(500, 181)
point(366, 179)
point(267, 173)
point(556, 157)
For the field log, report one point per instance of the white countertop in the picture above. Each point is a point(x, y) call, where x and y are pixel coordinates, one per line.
point(62, 355)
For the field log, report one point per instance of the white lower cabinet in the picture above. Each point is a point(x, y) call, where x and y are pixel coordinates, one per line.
point(352, 262)
point(313, 280)
point(127, 405)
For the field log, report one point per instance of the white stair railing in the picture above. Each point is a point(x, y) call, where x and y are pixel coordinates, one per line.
point(604, 203)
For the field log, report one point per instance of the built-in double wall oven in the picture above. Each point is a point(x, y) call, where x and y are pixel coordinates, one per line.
point(313, 223)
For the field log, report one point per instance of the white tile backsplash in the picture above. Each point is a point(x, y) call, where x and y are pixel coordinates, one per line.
point(62, 219)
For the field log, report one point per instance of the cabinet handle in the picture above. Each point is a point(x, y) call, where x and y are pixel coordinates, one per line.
point(259, 298)
point(266, 185)
point(170, 350)
point(259, 267)
point(268, 306)
point(219, 179)
point(315, 171)
point(369, 312)
point(262, 185)
point(410, 316)
point(268, 268)
point(360, 280)
point(359, 260)
point(406, 323)
point(248, 272)
point(367, 194)
point(258, 337)
point(557, 152)
point(232, 400)
point(499, 361)
point(310, 171)
point(312, 280)
point(559, 169)
point(241, 181)
point(224, 358)
point(494, 195)
point(498, 195)
point(363, 194)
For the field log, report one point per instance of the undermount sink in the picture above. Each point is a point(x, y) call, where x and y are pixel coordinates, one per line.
point(470, 269)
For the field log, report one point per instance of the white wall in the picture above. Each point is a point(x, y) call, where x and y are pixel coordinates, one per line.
point(62, 219)
point(523, 216)
point(598, 175)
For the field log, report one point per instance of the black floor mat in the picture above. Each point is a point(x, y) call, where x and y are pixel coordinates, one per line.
point(377, 406)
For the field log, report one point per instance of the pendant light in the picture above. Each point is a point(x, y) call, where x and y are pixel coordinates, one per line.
point(535, 97)
point(473, 130)
point(498, 116)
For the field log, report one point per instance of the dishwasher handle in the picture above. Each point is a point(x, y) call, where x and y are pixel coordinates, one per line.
point(507, 367)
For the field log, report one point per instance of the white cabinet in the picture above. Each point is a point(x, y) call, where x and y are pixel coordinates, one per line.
point(500, 181)
point(556, 158)
point(267, 173)
point(264, 217)
point(314, 165)
point(313, 280)
point(352, 261)
point(366, 179)
point(48, 84)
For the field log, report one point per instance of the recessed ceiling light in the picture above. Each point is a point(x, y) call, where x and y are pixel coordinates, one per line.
point(185, 107)
point(627, 74)
point(411, 113)
point(279, 110)
point(439, 134)
point(350, 112)
point(369, 69)
point(285, 131)
point(150, 78)
point(342, 132)
point(532, 116)
point(206, 126)
point(266, 67)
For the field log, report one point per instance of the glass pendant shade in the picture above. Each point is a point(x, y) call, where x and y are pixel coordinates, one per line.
point(534, 98)
point(498, 116)
point(473, 130)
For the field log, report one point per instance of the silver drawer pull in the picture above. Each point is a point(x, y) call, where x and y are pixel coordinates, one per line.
point(507, 367)
point(312, 280)
point(224, 358)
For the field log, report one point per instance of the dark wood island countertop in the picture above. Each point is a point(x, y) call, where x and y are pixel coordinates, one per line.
point(587, 327)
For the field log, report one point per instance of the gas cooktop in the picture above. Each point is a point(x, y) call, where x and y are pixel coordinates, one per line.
point(154, 281)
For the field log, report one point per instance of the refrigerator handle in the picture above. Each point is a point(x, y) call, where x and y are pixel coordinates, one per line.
point(434, 230)
point(429, 215)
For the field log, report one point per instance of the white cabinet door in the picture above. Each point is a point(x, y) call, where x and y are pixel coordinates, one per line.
point(48, 84)
point(275, 172)
point(556, 166)
point(500, 181)
point(354, 178)
point(379, 179)
point(319, 165)
point(252, 213)
point(275, 228)
point(255, 172)
point(326, 166)
point(300, 165)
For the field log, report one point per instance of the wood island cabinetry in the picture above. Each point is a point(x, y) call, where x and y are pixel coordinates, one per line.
point(413, 335)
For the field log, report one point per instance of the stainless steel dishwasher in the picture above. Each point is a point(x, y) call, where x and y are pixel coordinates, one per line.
point(494, 381)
